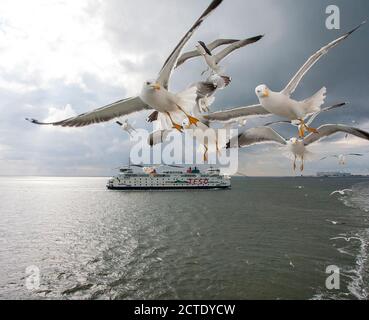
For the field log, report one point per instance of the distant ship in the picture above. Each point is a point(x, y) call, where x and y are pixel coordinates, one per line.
point(333, 174)
point(150, 179)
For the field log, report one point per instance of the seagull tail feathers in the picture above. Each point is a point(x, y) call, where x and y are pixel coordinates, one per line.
point(187, 99)
point(314, 103)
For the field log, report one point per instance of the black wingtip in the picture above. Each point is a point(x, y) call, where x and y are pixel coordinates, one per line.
point(202, 44)
point(338, 105)
point(34, 121)
point(257, 38)
point(119, 123)
point(358, 27)
point(364, 133)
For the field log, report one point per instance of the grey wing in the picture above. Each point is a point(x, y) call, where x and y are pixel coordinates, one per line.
point(315, 115)
point(103, 114)
point(292, 85)
point(234, 46)
point(258, 135)
point(330, 129)
point(169, 64)
point(241, 112)
point(334, 156)
point(193, 54)
point(205, 88)
point(187, 56)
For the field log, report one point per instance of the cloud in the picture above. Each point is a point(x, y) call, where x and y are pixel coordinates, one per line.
point(59, 58)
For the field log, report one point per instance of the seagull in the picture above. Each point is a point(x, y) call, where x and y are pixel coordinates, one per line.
point(126, 126)
point(154, 94)
point(342, 157)
point(341, 192)
point(213, 60)
point(298, 147)
point(281, 103)
point(332, 222)
point(217, 80)
point(233, 45)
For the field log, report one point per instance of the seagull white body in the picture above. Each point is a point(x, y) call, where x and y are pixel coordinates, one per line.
point(297, 147)
point(159, 99)
point(282, 105)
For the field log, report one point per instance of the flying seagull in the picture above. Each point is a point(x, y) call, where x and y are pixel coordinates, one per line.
point(342, 157)
point(213, 60)
point(280, 103)
point(211, 46)
point(154, 94)
point(126, 126)
point(341, 192)
point(298, 147)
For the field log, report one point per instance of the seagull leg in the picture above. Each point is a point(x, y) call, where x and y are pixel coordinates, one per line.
point(175, 125)
point(302, 164)
point(303, 128)
point(312, 130)
point(191, 119)
point(206, 153)
point(294, 163)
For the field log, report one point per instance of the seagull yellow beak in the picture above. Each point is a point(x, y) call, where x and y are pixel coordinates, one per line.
point(156, 86)
point(266, 93)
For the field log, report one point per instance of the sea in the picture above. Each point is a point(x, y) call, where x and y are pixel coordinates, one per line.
point(266, 238)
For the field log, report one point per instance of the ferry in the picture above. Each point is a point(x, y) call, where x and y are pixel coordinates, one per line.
point(150, 179)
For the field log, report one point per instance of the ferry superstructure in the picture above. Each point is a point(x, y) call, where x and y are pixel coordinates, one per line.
point(191, 179)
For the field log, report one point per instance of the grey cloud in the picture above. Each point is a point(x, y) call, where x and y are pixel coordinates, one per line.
point(293, 31)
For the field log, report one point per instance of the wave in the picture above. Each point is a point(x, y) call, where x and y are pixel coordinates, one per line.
point(359, 284)
point(358, 198)
point(359, 275)
point(356, 245)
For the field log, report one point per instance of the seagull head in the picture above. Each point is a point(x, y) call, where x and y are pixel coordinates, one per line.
point(152, 85)
point(202, 49)
point(294, 141)
point(262, 91)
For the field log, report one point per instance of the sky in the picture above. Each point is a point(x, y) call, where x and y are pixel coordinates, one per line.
point(59, 58)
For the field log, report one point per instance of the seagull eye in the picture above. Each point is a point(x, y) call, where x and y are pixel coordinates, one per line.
point(148, 83)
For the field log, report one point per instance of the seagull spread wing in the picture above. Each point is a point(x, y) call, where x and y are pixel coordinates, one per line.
point(106, 113)
point(170, 63)
point(258, 135)
point(315, 115)
point(232, 114)
point(291, 87)
point(237, 45)
point(355, 154)
point(330, 129)
point(327, 157)
point(211, 46)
